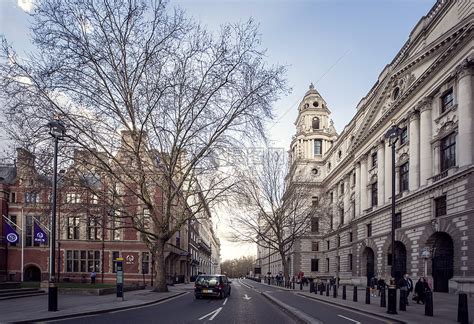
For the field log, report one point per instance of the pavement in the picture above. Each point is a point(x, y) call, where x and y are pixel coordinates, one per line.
point(445, 305)
point(35, 308)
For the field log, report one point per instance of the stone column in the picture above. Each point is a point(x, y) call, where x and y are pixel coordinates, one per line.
point(381, 172)
point(388, 172)
point(347, 203)
point(426, 156)
point(414, 147)
point(363, 184)
point(465, 113)
point(357, 190)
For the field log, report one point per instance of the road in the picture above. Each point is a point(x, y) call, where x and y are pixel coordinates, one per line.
point(247, 304)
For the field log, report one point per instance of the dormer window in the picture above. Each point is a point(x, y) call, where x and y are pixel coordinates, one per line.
point(315, 123)
point(317, 147)
point(315, 104)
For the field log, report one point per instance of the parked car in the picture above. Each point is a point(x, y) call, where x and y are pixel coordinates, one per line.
point(212, 285)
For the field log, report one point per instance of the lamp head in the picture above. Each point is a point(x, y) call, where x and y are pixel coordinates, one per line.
point(57, 129)
point(392, 134)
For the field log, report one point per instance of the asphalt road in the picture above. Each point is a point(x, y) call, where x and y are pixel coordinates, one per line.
point(244, 305)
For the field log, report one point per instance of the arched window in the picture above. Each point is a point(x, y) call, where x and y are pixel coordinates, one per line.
point(315, 123)
point(396, 93)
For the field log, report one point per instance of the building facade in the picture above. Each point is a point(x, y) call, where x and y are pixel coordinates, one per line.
point(89, 237)
point(427, 91)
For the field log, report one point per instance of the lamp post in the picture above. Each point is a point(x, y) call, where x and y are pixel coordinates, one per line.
point(392, 136)
point(57, 130)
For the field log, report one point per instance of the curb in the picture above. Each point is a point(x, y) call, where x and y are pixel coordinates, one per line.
point(391, 319)
point(102, 311)
point(295, 313)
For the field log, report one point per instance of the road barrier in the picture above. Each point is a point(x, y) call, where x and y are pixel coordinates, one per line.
point(429, 303)
point(463, 313)
point(354, 296)
point(344, 292)
point(403, 299)
point(383, 298)
point(367, 295)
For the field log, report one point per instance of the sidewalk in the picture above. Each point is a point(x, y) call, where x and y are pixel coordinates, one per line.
point(445, 306)
point(35, 308)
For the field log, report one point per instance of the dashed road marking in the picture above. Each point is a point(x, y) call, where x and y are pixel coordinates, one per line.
point(349, 319)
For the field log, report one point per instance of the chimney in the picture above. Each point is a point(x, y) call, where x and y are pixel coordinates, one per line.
point(25, 163)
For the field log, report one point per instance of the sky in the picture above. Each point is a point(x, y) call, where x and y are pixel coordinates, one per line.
point(339, 45)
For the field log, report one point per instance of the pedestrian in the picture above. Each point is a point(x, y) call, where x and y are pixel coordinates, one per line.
point(409, 286)
point(380, 285)
point(373, 287)
point(420, 291)
point(93, 275)
point(402, 284)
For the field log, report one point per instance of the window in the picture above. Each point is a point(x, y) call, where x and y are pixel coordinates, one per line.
point(315, 104)
point(93, 228)
point(440, 206)
point(328, 244)
point(398, 220)
point(327, 264)
point(374, 194)
point(447, 100)
point(317, 147)
point(448, 152)
point(341, 215)
point(350, 261)
point(73, 198)
point(395, 93)
point(342, 188)
point(315, 246)
point(31, 197)
point(338, 241)
point(29, 231)
point(329, 166)
point(374, 159)
point(339, 154)
point(403, 135)
point(314, 201)
point(403, 174)
point(13, 197)
point(353, 207)
point(146, 218)
point(338, 263)
point(73, 228)
point(115, 256)
point(369, 230)
point(145, 262)
point(331, 197)
point(314, 264)
point(331, 221)
point(178, 239)
point(116, 231)
point(351, 237)
point(315, 224)
point(82, 261)
point(389, 259)
point(315, 123)
point(94, 199)
point(353, 179)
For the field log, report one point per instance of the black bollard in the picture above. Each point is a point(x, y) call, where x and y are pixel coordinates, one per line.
point(403, 306)
point(383, 300)
point(463, 313)
point(311, 287)
point(392, 300)
point(429, 303)
point(327, 290)
point(334, 291)
point(344, 292)
point(301, 285)
point(321, 288)
point(354, 294)
point(367, 295)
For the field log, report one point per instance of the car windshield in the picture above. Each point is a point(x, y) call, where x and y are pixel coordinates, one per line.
point(207, 280)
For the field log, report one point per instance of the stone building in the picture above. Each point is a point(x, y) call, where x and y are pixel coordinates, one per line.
point(427, 91)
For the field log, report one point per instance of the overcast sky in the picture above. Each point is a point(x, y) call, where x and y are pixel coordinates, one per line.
point(339, 45)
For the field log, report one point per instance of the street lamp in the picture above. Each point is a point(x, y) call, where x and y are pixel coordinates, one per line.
point(57, 130)
point(392, 137)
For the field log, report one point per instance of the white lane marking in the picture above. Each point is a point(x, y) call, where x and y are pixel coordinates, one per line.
point(349, 319)
point(144, 306)
point(247, 297)
point(213, 313)
point(225, 301)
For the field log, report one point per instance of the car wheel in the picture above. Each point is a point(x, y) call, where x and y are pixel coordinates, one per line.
point(229, 292)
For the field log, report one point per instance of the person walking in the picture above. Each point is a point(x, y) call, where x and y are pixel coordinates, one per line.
point(380, 285)
point(373, 287)
point(93, 275)
point(409, 287)
point(420, 291)
point(402, 284)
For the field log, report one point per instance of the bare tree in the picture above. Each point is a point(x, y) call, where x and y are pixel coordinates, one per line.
point(273, 212)
point(152, 100)
point(238, 267)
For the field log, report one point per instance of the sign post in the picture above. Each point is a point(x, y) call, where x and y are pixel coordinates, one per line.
point(119, 263)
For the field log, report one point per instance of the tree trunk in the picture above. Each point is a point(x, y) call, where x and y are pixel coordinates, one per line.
point(286, 267)
point(160, 268)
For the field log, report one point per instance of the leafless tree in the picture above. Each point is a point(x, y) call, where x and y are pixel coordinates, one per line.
point(238, 267)
point(273, 212)
point(180, 95)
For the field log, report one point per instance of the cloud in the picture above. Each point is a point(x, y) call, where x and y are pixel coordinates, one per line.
point(26, 5)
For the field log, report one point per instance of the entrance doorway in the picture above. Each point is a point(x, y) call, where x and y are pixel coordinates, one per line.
point(443, 260)
point(400, 266)
point(32, 273)
point(370, 264)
